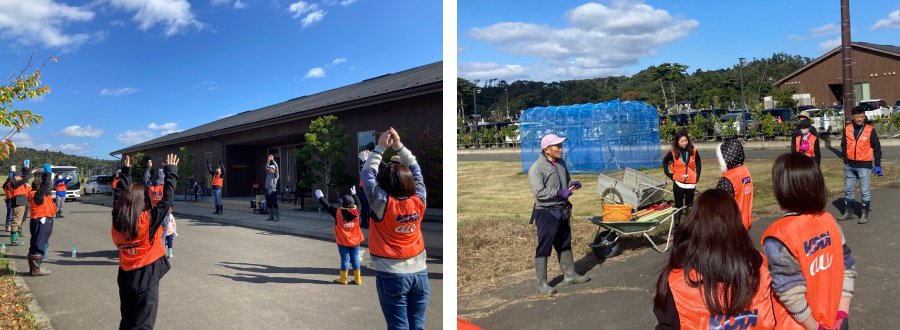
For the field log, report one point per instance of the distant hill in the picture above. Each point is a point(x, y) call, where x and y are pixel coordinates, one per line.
point(88, 166)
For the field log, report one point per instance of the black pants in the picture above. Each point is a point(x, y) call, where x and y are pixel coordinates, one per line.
point(553, 231)
point(683, 197)
point(272, 200)
point(40, 235)
point(139, 294)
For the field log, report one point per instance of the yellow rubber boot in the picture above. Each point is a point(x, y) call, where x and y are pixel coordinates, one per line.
point(357, 278)
point(343, 278)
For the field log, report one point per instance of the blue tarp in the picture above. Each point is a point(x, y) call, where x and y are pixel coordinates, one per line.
point(600, 136)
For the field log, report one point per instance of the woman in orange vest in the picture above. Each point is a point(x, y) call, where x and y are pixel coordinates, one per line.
point(19, 184)
point(736, 180)
point(861, 150)
point(155, 188)
point(218, 177)
point(60, 185)
point(40, 202)
point(137, 233)
point(396, 196)
point(806, 142)
point(347, 233)
point(731, 293)
point(812, 270)
point(682, 165)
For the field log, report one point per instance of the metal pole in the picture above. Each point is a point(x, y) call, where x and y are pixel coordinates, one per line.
point(506, 91)
point(475, 113)
point(741, 61)
point(849, 98)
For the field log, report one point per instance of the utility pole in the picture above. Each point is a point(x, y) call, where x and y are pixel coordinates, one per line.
point(741, 61)
point(847, 61)
point(506, 91)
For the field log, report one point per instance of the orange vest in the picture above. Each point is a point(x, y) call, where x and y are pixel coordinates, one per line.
point(811, 152)
point(45, 210)
point(155, 193)
point(398, 235)
point(347, 232)
point(679, 168)
point(8, 190)
point(763, 312)
point(22, 190)
point(860, 151)
point(217, 180)
point(138, 252)
point(61, 187)
point(743, 192)
point(115, 183)
point(815, 239)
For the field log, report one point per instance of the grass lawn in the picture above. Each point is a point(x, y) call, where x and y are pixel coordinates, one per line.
point(494, 206)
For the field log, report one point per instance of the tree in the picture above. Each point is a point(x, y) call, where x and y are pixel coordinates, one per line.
point(186, 169)
point(784, 98)
point(138, 165)
point(19, 87)
point(326, 144)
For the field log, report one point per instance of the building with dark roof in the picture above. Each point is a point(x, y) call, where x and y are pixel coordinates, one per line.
point(410, 101)
point(875, 75)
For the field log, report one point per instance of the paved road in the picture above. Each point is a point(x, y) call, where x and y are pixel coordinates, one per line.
point(620, 294)
point(223, 277)
point(514, 156)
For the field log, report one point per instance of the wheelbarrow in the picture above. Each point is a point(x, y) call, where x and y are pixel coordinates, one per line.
point(606, 243)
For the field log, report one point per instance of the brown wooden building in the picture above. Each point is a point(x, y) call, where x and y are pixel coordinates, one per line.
point(410, 101)
point(875, 75)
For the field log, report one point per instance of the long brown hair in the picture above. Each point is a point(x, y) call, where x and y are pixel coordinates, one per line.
point(677, 149)
point(127, 210)
point(713, 243)
point(397, 180)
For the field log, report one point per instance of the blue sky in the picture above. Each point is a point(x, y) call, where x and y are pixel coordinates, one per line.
point(132, 70)
point(560, 40)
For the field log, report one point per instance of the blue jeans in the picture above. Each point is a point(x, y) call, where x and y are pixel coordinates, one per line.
point(403, 298)
point(217, 196)
point(349, 255)
point(851, 174)
point(9, 212)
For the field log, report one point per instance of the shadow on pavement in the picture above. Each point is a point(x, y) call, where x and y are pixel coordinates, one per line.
point(108, 254)
point(855, 206)
point(260, 279)
point(268, 269)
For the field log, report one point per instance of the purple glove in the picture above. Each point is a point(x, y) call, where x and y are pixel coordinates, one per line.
point(564, 193)
point(575, 183)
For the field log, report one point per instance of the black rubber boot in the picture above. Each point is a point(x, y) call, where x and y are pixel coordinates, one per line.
point(848, 212)
point(34, 263)
point(864, 217)
point(217, 210)
point(277, 215)
point(540, 269)
point(567, 264)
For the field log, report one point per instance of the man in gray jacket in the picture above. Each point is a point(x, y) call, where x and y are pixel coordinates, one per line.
point(552, 186)
point(272, 188)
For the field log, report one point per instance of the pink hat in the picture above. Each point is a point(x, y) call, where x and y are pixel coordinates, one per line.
point(551, 139)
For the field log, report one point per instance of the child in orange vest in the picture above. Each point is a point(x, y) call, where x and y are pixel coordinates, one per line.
point(42, 210)
point(812, 270)
point(346, 233)
point(736, 180)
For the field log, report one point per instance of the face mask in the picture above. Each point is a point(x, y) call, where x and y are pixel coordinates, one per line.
point(804, 131)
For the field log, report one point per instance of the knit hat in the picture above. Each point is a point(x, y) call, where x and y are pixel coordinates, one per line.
point(730, 154)
point(347, 202)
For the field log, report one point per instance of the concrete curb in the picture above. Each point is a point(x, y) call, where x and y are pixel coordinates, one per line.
point(432, 251)
point(43, 320)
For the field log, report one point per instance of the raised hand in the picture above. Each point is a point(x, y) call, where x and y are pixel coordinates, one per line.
point(149, 163)
point(172, 159)
point(385, 139)
point(127, 161)
point(364, 155)
point(396, 139)
point(271, 158)
point(352, 190)
point(319, 194)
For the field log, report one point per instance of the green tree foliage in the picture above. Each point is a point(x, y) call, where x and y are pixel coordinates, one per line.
point(768, 126)
point(19, 87)
point(509, 133)
point(432, 162)
point(667, 130)
point(783, 97)
point(90, 166)
point(138, 165)
point(326, 144)
point(185, 166)
point(728, 129)
point(698, 128)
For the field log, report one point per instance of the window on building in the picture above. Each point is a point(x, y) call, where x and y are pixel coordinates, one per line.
point(861, 91)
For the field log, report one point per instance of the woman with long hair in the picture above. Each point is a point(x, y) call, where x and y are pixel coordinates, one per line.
point(137, 232)
point(682, 165)
point(396, 195)
point(813, 272)
point(714, 277)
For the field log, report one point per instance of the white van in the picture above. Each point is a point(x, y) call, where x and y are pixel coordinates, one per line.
point(73, 188)
point(98, 184)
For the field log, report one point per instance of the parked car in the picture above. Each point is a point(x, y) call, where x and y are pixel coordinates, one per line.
point(897, 106)
point(680, 119)
point(98, 184)
point(781, 115)
point(826, 121)
point(742, 118)
point(876, 108)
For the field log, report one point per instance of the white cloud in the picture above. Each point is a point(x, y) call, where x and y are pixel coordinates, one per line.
point(118, 91)
point(134, 136)
point(208, 85)
point(42, 21)
point(892, 21)
point(316, 72)
point(601, 39)
point(117, 23)
point(71, 148)
point(795, 37)
point(174, 15)
point(338, 61)
point(346, 3)
point(166, 128)
point(25, 140)
point(829, 44)
point(490, 70)
point(311, 13)
point(824, 30)
point(78, 131)
point(226, 115)
point(237, 3)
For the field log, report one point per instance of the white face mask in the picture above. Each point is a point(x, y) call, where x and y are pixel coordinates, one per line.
point(804, 131)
